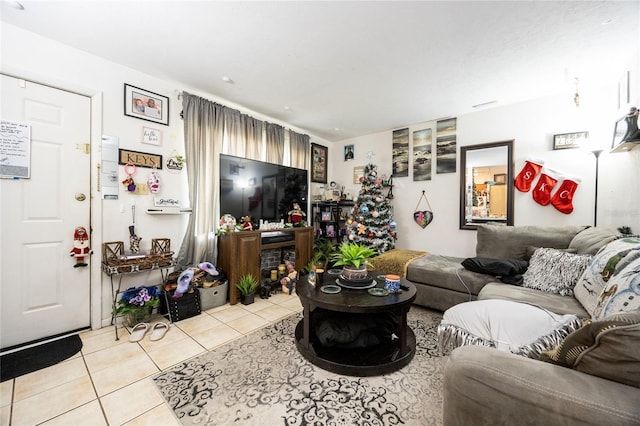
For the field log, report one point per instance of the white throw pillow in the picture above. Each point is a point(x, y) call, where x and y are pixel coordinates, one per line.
point(555, 271)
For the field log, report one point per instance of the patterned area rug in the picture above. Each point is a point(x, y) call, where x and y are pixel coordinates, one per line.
point(261, 379)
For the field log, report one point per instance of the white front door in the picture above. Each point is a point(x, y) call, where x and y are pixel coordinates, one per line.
point(42, 293)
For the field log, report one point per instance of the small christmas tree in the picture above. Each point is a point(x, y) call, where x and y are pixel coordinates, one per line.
point(372, 224)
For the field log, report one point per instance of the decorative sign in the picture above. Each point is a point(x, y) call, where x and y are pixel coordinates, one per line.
point(166, 202)
point(570, 140)
point(175, 162)
point(140, 159)
point(15, 150)
point(151, 136)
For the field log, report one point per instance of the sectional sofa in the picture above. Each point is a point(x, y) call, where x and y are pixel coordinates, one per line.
point(590, 377)
point(442, 281)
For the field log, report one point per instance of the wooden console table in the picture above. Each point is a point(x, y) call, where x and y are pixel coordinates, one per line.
point(377, 360)
point(239, 253)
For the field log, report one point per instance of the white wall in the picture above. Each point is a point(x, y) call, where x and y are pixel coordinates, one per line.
point(532, 125)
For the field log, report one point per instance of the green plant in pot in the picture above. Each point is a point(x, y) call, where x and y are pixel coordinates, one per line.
point(354, 259)
point(323, 251)
point(247, 284)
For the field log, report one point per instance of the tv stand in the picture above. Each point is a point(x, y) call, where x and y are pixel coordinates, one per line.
point(239, 253)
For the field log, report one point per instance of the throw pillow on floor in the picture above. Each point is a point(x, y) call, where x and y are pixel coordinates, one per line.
point(510, 326)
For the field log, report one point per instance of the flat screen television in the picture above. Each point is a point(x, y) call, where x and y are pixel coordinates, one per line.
point(261, 190)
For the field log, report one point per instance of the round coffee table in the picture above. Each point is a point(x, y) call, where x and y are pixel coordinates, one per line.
point(355, 361)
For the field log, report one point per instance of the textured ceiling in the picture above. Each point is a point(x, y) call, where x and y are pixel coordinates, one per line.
point(359, 67)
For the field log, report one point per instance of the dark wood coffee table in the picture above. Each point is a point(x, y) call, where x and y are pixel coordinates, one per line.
point(370, 361)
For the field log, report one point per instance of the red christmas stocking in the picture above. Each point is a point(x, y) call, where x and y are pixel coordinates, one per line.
point(528, 173)
point(544, 186)
point(562, 198)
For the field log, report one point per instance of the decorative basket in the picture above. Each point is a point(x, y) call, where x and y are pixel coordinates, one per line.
point(160, 245)
point(115, 261)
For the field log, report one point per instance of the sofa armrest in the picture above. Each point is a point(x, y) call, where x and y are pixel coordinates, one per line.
point(485, 386)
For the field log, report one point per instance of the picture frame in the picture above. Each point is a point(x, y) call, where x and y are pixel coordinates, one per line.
point(151, 136)
point(500, 178)
point(570, 140)
point(146, 105)
point(349, 152)
point(358, 172)
point(319, 156)
point(326, 216)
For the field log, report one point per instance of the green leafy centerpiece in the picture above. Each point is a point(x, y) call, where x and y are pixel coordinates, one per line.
point(354, 258)
point(136, 304)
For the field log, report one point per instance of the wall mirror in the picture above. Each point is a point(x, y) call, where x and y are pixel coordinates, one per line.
point(486, 184)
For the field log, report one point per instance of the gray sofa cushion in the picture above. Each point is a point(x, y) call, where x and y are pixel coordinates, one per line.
point(511, 242)
point(592, 239)
point(553, 302)
point(446, 272)
point(606, 348)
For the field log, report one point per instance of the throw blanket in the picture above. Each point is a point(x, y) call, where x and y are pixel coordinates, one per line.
point(395, 261)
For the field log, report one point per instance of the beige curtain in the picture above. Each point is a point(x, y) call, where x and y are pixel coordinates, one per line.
point(203, 136)
point(243, 134)
point(299, 148)
point(275, 143)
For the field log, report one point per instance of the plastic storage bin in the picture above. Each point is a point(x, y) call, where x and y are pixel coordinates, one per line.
point(215, 296)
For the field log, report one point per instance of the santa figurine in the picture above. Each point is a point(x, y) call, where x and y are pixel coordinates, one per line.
point(80, 246)
point(296, 215)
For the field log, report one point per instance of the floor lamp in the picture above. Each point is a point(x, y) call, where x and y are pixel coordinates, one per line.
point(596, 153)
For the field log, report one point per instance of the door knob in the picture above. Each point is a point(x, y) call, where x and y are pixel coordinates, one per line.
point(80, 196)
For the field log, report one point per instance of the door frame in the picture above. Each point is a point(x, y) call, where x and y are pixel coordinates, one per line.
point(95, 200)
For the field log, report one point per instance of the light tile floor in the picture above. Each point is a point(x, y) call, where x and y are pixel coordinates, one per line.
point(97, 385)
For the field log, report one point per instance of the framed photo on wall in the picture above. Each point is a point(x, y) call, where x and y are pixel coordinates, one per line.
point(358, 172)
point(570, 140)
point(146, 105)
point(349, 152)
point(319, 156)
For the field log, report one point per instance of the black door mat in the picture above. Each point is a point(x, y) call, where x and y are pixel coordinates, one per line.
point(38, 357)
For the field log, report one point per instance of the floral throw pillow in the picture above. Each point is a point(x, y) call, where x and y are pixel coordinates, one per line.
point(611, 282)
point(555, 271)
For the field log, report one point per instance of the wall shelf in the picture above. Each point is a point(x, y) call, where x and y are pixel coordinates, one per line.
point(168, 211)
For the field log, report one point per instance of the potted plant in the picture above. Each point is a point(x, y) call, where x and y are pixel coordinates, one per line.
point(136, 304)
point(247, 284)
point(354, 258)
point(323, 251)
